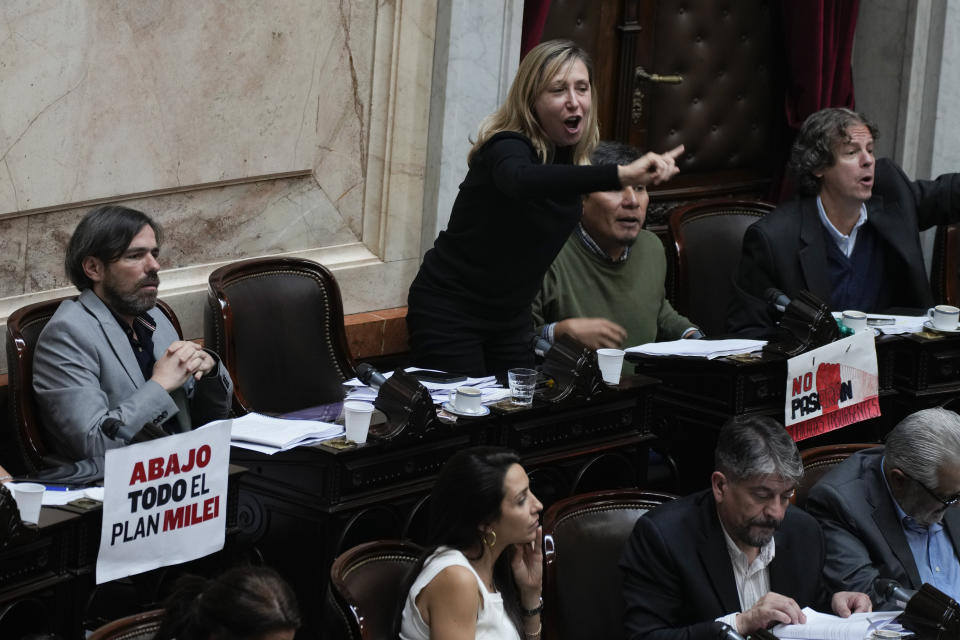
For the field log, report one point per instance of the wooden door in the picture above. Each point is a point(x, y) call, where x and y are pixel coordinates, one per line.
point(705, 73)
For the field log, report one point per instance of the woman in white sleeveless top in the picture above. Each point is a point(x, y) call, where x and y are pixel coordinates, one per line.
point(483, 577)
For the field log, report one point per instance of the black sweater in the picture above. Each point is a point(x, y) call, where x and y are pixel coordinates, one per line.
point(509, 221)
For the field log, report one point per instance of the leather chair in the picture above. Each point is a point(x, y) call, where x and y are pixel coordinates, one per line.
point(583, 537)
point(707, 239)
point(367, 585)
point(945, 265)
point(277, 323)
point(25, 436)
point(140, 626)
point(817, 462)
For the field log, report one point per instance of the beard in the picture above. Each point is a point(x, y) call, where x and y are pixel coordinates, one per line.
point(131, 303)
point(745, 534)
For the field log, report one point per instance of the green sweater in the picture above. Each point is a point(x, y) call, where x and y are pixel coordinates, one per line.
point(579, 284)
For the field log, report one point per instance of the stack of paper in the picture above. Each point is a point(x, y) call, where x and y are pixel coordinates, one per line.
point(491, 391)
point(900, 324)
point(823, 626)
point(699, 348)
point(270, 435)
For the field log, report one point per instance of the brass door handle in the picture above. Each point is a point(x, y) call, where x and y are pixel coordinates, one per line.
point(641, 75)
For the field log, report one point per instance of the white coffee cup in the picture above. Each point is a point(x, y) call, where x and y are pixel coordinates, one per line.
point(856, 321)
point(357, 420)
point(466, 399)
point(29, 497)
point(611, 364)
point(944, 317)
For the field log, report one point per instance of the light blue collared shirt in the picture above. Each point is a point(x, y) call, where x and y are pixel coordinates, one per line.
point(932, 550)
point(844, 243)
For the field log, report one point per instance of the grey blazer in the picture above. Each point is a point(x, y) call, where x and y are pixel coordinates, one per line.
point(84, 371)
point(864, 538)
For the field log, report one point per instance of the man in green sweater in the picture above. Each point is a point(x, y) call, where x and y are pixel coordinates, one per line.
point(605, 288)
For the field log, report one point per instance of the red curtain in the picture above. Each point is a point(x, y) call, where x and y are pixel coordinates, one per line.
point(818, 35)
point(534, 17)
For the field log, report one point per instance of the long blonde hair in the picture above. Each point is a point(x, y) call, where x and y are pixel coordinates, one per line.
point(536, 71)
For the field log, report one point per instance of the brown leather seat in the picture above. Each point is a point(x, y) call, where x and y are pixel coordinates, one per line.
point(583, 538)
point(25, 436)
point(945, 265)
point(140, 626)
point(707, 238)
point(367, 585)
point(817, 462)
point(277, 323)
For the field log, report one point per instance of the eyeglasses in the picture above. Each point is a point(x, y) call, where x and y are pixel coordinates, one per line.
point(949, 502)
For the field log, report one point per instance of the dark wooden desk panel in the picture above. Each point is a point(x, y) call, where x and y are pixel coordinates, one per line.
point(304, 506)
point(928, 363)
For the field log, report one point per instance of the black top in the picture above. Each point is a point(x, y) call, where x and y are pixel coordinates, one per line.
point(510, 219)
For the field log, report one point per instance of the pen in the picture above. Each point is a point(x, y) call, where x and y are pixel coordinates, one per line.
point(60, 487)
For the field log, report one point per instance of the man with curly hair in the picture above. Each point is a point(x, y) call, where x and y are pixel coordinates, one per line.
point(852, 237)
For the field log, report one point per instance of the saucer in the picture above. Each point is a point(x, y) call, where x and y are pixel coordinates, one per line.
point(469, 414)
point(929, 325)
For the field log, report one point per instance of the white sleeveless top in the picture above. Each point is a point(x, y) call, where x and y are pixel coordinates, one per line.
point(492, 621)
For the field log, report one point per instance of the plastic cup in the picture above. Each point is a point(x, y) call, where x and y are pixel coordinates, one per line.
point(611, 364)
point(357, 420)
point(522, 383)
point(29, 497)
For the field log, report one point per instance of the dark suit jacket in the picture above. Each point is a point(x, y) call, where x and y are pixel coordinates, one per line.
point(864, 538)
point(786, 249)
point(678, 577)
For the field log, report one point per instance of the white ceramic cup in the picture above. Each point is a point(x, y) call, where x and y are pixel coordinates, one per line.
point(944, 317)
point(357, 420)
point(856, 321)
point(29, 497)
point(466, 399)
point(611, 364)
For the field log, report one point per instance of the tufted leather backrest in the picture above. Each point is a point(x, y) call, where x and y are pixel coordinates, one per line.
point(707, 239)
point(140, 626)
point(583, 537)
point(367, 585)
point(25, 435)
point(945, 266)
point(277, 323)
point(817, 462)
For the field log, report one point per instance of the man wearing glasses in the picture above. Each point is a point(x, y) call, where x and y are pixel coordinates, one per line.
point(886, 512)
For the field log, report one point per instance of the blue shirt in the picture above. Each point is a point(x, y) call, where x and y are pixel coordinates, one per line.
point(931, 549)
point(844, 243)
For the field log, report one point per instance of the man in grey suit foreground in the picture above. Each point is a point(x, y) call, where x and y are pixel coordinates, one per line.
point(109, 367)
point(885, 511)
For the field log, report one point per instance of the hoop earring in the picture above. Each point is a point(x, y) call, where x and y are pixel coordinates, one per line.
point(489, 543)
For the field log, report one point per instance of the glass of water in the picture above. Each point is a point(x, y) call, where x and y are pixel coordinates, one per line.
point(522, 383)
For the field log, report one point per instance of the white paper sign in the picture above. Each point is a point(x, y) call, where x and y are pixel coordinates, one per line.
point(832, 386)
point(165, 501)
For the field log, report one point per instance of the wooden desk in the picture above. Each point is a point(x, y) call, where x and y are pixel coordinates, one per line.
point(304, 506)
point(47, 571)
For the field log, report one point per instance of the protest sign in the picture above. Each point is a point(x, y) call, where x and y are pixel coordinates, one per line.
point(832, 386)
point(165, 501)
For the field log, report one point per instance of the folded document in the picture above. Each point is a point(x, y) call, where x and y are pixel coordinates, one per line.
point(823, 626)
point(699, 348)
point(269, 435)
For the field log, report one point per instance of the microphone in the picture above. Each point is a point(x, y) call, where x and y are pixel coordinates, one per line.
point(778, 299)
point(725, 631)
point(370, 376)
point(891, 589)
point(110, 427)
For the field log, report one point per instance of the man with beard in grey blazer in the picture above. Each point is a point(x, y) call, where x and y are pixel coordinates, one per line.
point(109, 366)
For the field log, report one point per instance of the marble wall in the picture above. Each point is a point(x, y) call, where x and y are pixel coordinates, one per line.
point(247, 128)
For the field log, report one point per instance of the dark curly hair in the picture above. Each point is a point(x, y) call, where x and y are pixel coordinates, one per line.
point(813, 147)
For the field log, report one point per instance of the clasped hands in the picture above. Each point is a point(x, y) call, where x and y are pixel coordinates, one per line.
point(180, 361)
point(774, 608)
